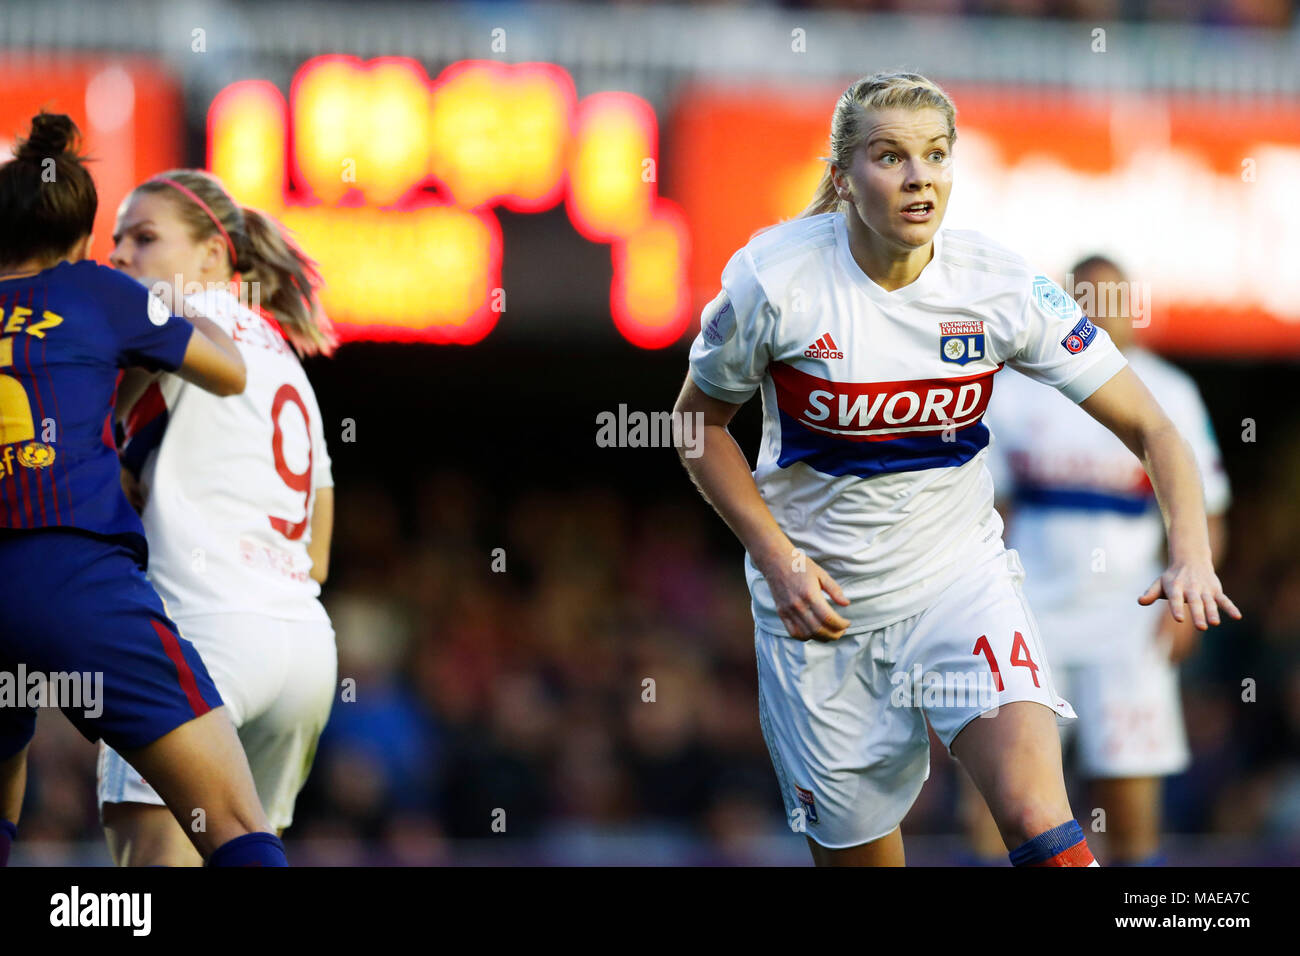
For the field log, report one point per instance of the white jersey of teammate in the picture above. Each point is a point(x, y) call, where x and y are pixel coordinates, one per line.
point(229, 493)
point(229, 487)
point(1084, 516)
point(872, 459)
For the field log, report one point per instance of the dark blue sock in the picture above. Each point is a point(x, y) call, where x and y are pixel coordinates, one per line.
point(1047, 845)
point(251, 849)
point(8, 833)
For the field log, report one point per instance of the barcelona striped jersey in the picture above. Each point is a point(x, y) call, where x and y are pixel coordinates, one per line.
point(65, 335)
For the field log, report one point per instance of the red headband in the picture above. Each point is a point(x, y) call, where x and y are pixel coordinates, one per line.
point(204, 206)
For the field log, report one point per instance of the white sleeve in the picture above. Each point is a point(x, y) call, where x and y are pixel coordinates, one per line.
point(730, 355)
point(1058, 345)
point(1193, 422)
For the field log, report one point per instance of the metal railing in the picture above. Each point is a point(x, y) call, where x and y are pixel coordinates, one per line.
point(649, 48)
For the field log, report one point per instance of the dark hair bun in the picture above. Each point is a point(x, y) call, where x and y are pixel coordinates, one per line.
point(51, 135)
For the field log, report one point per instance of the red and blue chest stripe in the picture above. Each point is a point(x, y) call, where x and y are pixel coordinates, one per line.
point(875, 428)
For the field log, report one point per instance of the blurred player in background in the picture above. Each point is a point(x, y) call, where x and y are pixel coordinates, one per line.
point(72, 552)
point(236, 496)
point(1085, 521)
point(874, 337)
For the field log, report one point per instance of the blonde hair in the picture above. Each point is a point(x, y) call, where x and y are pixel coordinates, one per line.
point(264, 253)
point(879, 91)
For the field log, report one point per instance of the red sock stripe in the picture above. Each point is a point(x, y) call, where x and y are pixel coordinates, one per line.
point(1077, 855)
point(172, 646)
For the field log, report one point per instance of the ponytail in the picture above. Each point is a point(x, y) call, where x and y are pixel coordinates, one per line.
point(825, 199)
point(289, 282)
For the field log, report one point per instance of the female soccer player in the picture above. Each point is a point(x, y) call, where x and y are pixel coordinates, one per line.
point(72, 552)
point(1083, 519)
point(237, 498)
point(874, 337)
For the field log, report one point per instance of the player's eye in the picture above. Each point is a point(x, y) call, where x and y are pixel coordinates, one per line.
point(938, 155)
point(887, 156)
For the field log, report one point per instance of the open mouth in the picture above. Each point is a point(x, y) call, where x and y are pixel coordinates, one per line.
point(918, 211)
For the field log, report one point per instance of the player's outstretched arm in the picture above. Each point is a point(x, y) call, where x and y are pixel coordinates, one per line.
point(722, 474)
point(212, 361)
point(1125, 406)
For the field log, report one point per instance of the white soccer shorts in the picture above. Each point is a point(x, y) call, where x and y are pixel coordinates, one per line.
point(277, 679)
point(1130, 714)
point(845, 721)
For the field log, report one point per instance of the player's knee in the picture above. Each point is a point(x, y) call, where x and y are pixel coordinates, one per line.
point(1024, 818)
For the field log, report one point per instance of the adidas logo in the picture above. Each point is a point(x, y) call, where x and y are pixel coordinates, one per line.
point(824, 348)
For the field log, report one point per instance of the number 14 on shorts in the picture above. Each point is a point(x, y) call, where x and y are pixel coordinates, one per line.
point(1019, 657)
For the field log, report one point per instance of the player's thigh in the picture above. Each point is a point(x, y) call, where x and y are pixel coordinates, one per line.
point(849, 764)
point(200, 771)
point(1014, 759)
point(140, 834)
point(976, 649)
point(139, 828)
point(977, 665)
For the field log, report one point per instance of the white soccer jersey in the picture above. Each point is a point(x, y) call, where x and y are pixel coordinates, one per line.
point(872, 453)
point(230, 483)
point(1085, 519)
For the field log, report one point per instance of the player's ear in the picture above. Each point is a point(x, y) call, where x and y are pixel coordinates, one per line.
point(841, 183)
point(214, 254)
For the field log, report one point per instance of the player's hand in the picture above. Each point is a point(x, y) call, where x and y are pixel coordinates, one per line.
point(1180, 641)
point(1193, 591)
point(797, 588)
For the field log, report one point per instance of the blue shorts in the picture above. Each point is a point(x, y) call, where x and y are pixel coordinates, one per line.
point(77, 604)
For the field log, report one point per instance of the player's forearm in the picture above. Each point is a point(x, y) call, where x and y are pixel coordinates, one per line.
point(217, 336)
point(1177, 482)
point(722, 474)
point(1218, 538)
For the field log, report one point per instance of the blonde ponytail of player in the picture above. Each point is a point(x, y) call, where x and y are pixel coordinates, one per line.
point(289, 280)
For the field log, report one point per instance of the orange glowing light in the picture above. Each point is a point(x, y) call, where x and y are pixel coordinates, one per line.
point(613, 166)
point(372, 139)
point(649, 298)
